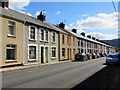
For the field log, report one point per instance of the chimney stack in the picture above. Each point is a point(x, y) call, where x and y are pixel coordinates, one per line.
point(93, 38)
point(4, 4)
point(74, 30)
point(62, 25)
point(83, 34)
point(41, 17)
point(89, 36)
point(97, 39)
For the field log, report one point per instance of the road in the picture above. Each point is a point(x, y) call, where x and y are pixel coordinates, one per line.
point(73, 74)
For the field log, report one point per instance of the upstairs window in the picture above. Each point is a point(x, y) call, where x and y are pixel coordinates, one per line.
point(53, 36)
point(46, 35)
point(32, 33)
point(63, 39)
point(11, 27)
point(42, 34)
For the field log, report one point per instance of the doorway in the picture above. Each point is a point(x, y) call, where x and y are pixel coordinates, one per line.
point(42, 54)
point(46, 54)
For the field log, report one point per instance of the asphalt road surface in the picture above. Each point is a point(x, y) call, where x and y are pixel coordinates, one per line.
point(70, 75)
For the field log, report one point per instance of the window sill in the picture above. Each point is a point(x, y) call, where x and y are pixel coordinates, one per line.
point(44, 41)
point(10, 61)
point(12, 36)
point(53, 58)
point(32, 40)
point(32, 60)
point(53, 42)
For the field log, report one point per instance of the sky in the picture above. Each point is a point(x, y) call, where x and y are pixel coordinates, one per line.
point(97, 19)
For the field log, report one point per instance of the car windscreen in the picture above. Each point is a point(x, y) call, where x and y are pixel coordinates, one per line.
point(112, 56)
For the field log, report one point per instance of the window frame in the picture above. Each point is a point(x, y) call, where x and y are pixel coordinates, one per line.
point(47, 40)
point(35, 28)
point(30, 45)
point(55, 52)
point(15, 53)
point(53, 39)
point(64, 52)
point(11, 35)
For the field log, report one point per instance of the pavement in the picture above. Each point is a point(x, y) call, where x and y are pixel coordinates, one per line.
point(6, 69)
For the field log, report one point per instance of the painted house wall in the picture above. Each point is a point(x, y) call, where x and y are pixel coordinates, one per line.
point(40, 44)
point(69, 47)
point(0, 41)
point(17, 40)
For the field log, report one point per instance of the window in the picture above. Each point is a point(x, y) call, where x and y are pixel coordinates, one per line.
point(53, 36)
point(32, 33)
point(68, 40)
point(63, 52)
point(73, 41)
point(46, 35)
point(32, 52)
point(73, 51)
point(53, 52)
point(78, 50)
point(11, 28)
point(42, 34)
point(81, 43)
point(78, 42)
point(11, 52)
point(63, 39)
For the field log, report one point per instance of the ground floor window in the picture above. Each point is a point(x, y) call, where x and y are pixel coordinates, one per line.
point(10, 52)
point(63, 52)
point(53, 52)
point(73, 51)
point(32, 52)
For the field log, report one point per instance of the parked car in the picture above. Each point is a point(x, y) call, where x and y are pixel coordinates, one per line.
point(80, 57)
point(98, 55)
point(89, 56)
point(105, 54)
point(113, 58)
point(102, 55)
point(94, 56)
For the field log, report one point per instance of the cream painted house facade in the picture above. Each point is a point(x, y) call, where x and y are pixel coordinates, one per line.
point(11, 41)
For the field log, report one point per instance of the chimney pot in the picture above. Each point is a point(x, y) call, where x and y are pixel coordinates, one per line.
point(4, 4)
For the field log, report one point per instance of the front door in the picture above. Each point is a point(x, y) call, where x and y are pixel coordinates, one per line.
point(68, 54)
point(42, 54)
point(46, 54)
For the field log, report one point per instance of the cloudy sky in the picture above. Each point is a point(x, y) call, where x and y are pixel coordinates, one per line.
point(98, 19)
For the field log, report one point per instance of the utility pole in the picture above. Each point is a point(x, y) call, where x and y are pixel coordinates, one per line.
point(119, 27)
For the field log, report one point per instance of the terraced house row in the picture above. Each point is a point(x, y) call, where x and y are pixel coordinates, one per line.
point(26, 40)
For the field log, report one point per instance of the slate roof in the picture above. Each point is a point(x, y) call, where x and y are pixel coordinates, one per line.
point(26, 18)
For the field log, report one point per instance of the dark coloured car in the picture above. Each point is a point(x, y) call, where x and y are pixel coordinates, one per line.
point(113, 58)
point(80, 57)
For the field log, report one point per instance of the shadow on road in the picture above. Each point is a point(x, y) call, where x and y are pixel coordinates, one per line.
point(108, 77)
